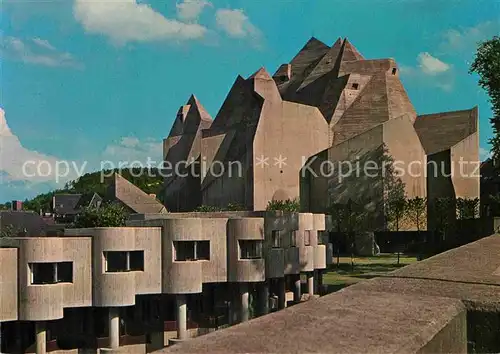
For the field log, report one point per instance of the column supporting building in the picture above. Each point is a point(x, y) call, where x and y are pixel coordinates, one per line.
point(297, 291)
point(244, 310)
point(310, 283)
point(41, 337)
point(181, 317)
point(281, 293)
point(114, 327)
point(264, 298)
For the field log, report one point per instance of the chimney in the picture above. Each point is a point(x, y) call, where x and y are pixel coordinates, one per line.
point(17, 205)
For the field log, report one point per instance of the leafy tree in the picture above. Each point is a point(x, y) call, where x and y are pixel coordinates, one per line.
point(487, 65)
point(9, 231)
point(416, 209)
point(108, 215)
point(467, 208)
point(292, 205)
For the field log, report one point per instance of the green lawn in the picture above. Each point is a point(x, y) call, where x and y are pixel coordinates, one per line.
point(338, 277)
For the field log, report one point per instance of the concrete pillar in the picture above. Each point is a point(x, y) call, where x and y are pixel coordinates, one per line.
point(310, 283)
point(320, 282)
point(244, 311)
point(181, 317)
point(41, 338)
point(264, 298)
point(281, 293)
point(297, 292)
point(114, 327)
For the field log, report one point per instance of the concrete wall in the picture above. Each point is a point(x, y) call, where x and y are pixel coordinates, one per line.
point(47, 301)
point(8, 281)
point(120, 288)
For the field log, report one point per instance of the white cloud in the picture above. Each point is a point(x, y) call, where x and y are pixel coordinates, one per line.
point(431, 65)
point(36, 51)
point(191, 9)
point(466, 39)
point(18, 163)
point(126, 20)
point(235, 23)
point(130, 149)
point(430, 71)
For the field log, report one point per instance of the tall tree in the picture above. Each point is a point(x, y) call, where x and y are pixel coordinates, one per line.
point(487, 65)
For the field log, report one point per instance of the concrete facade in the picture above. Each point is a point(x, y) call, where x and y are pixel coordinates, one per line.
point(342, 108)
point(133, 282)
point(445, 304)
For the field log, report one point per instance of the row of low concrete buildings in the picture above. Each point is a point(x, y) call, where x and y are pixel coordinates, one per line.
point(166, 277)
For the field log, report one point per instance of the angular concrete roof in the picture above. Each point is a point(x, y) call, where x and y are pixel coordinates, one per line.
point(344, 322)
point(353, 94)
point(133, 197)
point(440, 131)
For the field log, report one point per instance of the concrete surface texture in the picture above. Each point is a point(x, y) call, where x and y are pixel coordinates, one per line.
point(339, 106)
point(425, 307)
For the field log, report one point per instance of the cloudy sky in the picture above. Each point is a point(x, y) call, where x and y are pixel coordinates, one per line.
point(86, 80)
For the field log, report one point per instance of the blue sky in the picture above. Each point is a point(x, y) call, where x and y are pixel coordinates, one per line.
point(91, 80)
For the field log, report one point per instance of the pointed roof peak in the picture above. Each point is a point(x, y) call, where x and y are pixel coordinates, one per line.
point(261, 74)
point(313, 41)
point(194, 102)
point(350, 51)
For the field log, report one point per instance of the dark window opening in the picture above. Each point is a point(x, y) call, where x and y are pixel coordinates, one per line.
point(116, 261)
point(136, 260)
point(250, 249)
point(276, 239)
point(203, 250)
point(307, 237)
point(51, 273)
point(394, 71)
point(64, 272)
point(192, 250)
point(355, 86)
point(124, 261)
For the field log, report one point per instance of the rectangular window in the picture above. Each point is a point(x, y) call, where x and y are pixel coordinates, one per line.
point(184, 250)
point(123, 261)
point(250, 249)
point(203, 250)
point(116, 261)
point(192, 251)
point(394, 71)
point(51, 273)
point(276, 239)
point(355, 86)
point(307, 237)
point(64, 272)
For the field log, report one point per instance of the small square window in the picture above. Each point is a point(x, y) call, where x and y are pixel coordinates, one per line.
point(394, 71)
point(276, 239)
point(355, 86)
point(203, 250)
point(136, 262)
point(307, 237)
point(65, 272)
point(116, 261)
point(184, 251)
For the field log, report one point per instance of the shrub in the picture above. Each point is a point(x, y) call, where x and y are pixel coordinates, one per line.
point(292, 205)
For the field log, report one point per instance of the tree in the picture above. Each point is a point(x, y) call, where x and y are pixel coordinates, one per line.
point(487, 65)
point(108, 215)
point(9, 231)
point(416, 209)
